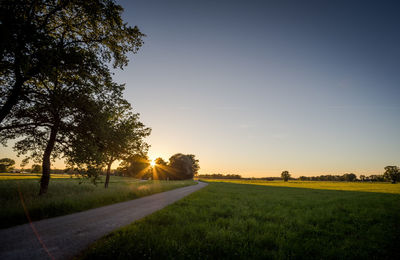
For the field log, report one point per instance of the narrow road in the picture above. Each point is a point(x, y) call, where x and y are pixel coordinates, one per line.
point(64, 237)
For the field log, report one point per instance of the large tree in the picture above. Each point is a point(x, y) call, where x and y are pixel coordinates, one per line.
point(285, 175)
point(160, 170)
point(48, 123)
point(6, 164)
point(183, 166)
point(392, 173)
point(136, 165)
point(80, 40)
point(40, 35)
point(115, 134)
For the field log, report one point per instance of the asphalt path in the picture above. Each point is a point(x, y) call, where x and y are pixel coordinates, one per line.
point(66, 236)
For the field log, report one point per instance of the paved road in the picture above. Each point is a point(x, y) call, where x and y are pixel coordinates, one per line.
point(64, 237)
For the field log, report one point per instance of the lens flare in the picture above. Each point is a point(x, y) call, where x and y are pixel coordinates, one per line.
point(152, 163)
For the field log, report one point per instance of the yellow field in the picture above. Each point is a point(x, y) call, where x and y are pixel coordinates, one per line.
point(382, 187)
point(27, 176)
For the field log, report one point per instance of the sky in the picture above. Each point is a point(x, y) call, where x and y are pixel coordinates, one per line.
point(258, 87)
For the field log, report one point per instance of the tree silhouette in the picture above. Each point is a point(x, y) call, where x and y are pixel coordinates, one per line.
point(117, 134)
point(36, 168)
point(285, 175)
point(182, 167)
point(62, 85)
point(136, 165)
point(392, 173)
point(6, 164)
point(40, 35)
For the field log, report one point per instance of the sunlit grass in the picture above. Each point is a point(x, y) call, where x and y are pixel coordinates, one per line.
point(66, 195)
point(239, 221)
point(384, 187)
point(32, 176)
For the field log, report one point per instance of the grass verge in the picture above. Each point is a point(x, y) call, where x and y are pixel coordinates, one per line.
point(67, 196)
point(239, 221)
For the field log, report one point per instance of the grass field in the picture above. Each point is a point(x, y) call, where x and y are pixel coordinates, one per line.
point(384, 187)
point(66, 195)
point(32, 176)
point(240, 221)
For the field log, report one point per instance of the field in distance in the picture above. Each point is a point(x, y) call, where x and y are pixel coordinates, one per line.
point(31, 176)
point(384, 187)
point(228, 220)
point(66, 195)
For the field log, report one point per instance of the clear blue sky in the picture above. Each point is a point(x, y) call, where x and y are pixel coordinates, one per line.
point(257, 87)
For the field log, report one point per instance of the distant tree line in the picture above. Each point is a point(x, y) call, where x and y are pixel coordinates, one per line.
point(220, 176)
point(344, 177)
point(392, 174)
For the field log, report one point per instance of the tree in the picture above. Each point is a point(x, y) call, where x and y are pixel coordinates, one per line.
point(57, 99)
point(6, 164)
point(183, 167)
point(36, 168)
point(160, 170)
point(39, 35)
point(285, 175)
point(376, 177)
point(160, 161)
point(362, 177)
point(47, 124)
point(136, 165)
point(118, 134)
point(349, 177)
point(392, 173)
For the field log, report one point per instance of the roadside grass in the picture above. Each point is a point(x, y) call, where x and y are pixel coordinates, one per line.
point(384, 187)
point(239, 221)
point(66, 195)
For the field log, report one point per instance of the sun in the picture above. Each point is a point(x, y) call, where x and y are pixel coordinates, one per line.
point(152, 163)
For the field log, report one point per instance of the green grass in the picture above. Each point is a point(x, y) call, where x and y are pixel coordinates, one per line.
point(67, 196)
point(239, 221)
point(34, 176)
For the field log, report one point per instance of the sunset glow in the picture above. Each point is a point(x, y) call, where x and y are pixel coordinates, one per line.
point(152, 163)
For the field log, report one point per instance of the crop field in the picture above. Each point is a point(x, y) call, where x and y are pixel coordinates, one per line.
point(384, 187)
point(67, 195)
point(228, 220)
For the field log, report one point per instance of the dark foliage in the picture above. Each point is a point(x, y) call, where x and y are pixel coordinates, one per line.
point(220, 176)
point(6, 164)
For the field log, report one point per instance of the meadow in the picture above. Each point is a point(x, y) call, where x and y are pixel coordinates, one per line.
point(228, 220)
point(68, 195)
point(384, 187)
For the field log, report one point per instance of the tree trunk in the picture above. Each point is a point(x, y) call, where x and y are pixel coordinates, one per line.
point(108, 175)
point(12, 99)
point(44, 181)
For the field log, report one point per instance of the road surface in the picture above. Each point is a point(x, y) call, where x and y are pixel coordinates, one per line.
point(64, 237)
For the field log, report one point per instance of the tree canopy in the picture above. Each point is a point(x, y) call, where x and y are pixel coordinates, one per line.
point(285, 175)
point(183, 166)
point(6, 164)
point(36, 168)
point(135, 165)
point(117, 134)
point(40, 35)
point(55, 55)
point(392, 173)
